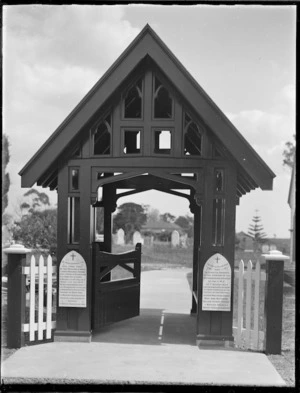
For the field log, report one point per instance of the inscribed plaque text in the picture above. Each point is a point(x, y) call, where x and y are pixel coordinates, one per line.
point(216, 292)
point(72, 281)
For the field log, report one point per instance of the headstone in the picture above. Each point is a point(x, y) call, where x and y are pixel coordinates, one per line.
point(175, 239)
point(137, 238)
point(216, 291)
point(183, 240)
point(265, 248)
point(273, 247)
point(72, 281)
point(120, 237)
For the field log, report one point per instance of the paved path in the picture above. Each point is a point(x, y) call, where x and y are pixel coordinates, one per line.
point(156, 348)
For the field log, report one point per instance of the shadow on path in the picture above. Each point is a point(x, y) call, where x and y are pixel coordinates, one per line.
point(152, 327)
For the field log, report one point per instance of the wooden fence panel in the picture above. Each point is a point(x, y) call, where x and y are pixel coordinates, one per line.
point(240, 303)
point(32, 299)
point(256, 305)
point(246, 336)
point(44, 267)
point(49, 297)
point(41, 298)
point(248, 303)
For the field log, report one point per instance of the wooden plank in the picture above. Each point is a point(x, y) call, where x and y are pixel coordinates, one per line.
point(261, 336)
point(26, 328)
point(62, 236)
point(80, 318)
point(41, 298)
point(262, 275)
point(32, 299)
point(248, 303)
point(256, 306)
point(229, 239)
point(49, 297)
point(27, 270)
point(240, 302)
point(128, 268)
point(147, 113)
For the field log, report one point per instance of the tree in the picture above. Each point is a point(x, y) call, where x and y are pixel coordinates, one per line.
point(38, 230)
point(167, 217)
point(255, 230)
point(152, 214)
point(39, 200)
point(5, 175)
point(289, 154)
point(186, 223)
point(37, 224)
point(130, 217)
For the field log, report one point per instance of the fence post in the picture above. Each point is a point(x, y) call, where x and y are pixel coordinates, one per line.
point(274, 301)
point(16, 297)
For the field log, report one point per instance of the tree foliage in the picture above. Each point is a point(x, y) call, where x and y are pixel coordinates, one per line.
point(39, 200)
point(38, 230)
point(37, 226)
point(5, 175)
point(289, 154)
point(255, 230)
point(130, 217)
point(152, 214)
point(167, 217)
point(186, 223)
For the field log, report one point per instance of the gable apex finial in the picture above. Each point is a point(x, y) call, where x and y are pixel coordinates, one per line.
point(147, 28)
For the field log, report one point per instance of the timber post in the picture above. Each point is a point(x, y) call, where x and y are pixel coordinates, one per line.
point(16, 296)
point(274, 301)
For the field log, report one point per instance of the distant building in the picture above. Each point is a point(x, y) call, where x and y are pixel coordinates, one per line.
point(160, 229)
point(292, 203)
point(268, 244)
point(245, 241)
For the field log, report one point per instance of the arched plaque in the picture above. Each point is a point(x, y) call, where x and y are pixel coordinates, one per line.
point(72, 281)
point(216, 290)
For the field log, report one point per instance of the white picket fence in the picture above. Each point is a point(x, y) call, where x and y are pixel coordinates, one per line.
point(248, 336)
point(36, 274)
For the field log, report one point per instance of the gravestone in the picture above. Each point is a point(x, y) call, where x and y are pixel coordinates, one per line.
point(273, 247)
point(265, 248)
point(183, 240)
point(72, 281)
point(137, 238)
point(120, 237)
point(175, 239)
point(216, 290)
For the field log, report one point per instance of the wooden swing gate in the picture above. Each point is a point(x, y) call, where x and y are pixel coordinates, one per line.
point(114, 301)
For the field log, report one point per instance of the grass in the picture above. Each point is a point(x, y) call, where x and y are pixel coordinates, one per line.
point(161, 256)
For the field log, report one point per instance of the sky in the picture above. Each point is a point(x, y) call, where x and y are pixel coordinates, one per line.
point(242, 56)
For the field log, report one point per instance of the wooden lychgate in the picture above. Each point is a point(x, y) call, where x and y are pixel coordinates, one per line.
point(146, 124)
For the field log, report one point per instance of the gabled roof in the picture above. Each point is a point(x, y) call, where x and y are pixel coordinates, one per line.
point(147, 43)
point(243, 234)
point(160, 225)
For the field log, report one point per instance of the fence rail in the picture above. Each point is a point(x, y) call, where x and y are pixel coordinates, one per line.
point(36, 275)
point(248, 305)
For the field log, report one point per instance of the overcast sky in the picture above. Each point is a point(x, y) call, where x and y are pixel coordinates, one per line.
point(242, 56)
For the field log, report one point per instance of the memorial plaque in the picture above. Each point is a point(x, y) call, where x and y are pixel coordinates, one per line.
point(216, 291)
point(72, 281)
